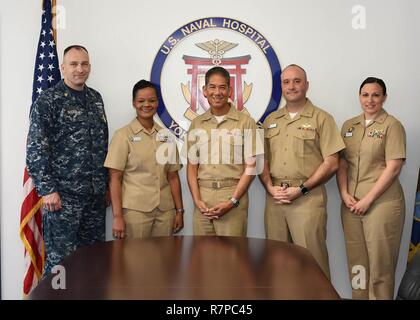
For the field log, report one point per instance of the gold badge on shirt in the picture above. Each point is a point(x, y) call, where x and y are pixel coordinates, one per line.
point(306, 127)
point(163, 138)
point(349, 132)
point(377, 133)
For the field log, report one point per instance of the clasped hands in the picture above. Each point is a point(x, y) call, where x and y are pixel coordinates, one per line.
point(284, 195)
point(215, 212)
point(357, 207)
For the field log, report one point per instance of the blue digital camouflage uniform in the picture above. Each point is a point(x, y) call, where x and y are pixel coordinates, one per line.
point(66, 149)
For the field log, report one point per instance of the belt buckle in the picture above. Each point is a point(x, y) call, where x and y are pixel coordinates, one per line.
point(286, 183)
point(215, 184)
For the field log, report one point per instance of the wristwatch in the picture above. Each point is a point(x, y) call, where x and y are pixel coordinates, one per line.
point(179, 210)
point(234, 201)
point(303, 189)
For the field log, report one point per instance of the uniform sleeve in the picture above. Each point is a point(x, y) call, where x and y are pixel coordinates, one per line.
point(118, 152)
point(395, 144)
point(190, 149)
point(253, 140)
point(38, 150)
point(266, 141)
point(177, 165)
point(342, 153)
point(101, 148)
point(330, 140)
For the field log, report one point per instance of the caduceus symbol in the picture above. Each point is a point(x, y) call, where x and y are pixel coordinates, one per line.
point(216, 49)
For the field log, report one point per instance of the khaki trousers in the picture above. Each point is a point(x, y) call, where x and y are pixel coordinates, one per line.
point(372, 245)
point(148, 224)
point(233, 223)
point(303, 222)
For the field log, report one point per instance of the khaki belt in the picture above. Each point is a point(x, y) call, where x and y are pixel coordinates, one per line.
point(287, 182)
point(217, 184)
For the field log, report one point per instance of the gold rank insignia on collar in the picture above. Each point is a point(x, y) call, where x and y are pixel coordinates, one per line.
point(377, 133)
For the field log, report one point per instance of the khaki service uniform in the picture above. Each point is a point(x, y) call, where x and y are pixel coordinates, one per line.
point(373, 240)
point(221, 165)
point(295, 148)
point(148, 206)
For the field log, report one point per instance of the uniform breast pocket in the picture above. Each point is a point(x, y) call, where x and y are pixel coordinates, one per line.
point(73, 117)
point(167, 153)
point(271, 133)
point(199, 151)
point(304, 142)
point(233, 150)
point(352, 147)
point(377, 149)
point(272, 136)
point(100, 116)
point(139, 158)
point(73, 114)
point(72, 124)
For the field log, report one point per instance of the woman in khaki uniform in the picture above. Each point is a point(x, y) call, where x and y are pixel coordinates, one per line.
point(143, 164)
point(372, 210)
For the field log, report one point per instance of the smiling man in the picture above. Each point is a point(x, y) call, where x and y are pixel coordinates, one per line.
point(66, 148)
point(301, 153)
point(221, 161)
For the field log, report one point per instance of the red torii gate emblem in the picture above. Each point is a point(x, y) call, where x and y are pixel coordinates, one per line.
point(199, 67)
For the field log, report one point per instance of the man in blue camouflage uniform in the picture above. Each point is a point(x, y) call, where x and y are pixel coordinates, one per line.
point(66, 148)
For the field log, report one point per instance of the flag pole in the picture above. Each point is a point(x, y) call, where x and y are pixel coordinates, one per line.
point(54, 20)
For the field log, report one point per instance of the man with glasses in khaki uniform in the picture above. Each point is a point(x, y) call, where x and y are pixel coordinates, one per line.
point(301, 154)
point(221, 161)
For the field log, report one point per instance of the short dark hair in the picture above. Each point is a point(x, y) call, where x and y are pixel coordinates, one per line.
point(74, 46)
point(374, 80)
point(143, 84)
point(220, 71)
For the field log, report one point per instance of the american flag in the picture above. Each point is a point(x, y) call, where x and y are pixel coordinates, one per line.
point(46, 74)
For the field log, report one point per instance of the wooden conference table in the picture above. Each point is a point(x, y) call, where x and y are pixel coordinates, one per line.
point(190, 268)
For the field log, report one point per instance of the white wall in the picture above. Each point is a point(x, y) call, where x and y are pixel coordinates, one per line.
point(124, 39)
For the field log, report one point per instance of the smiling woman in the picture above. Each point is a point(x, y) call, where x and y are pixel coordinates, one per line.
point(372, 208)
point(145, 102)
point(145, 193)
point(372, 96)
